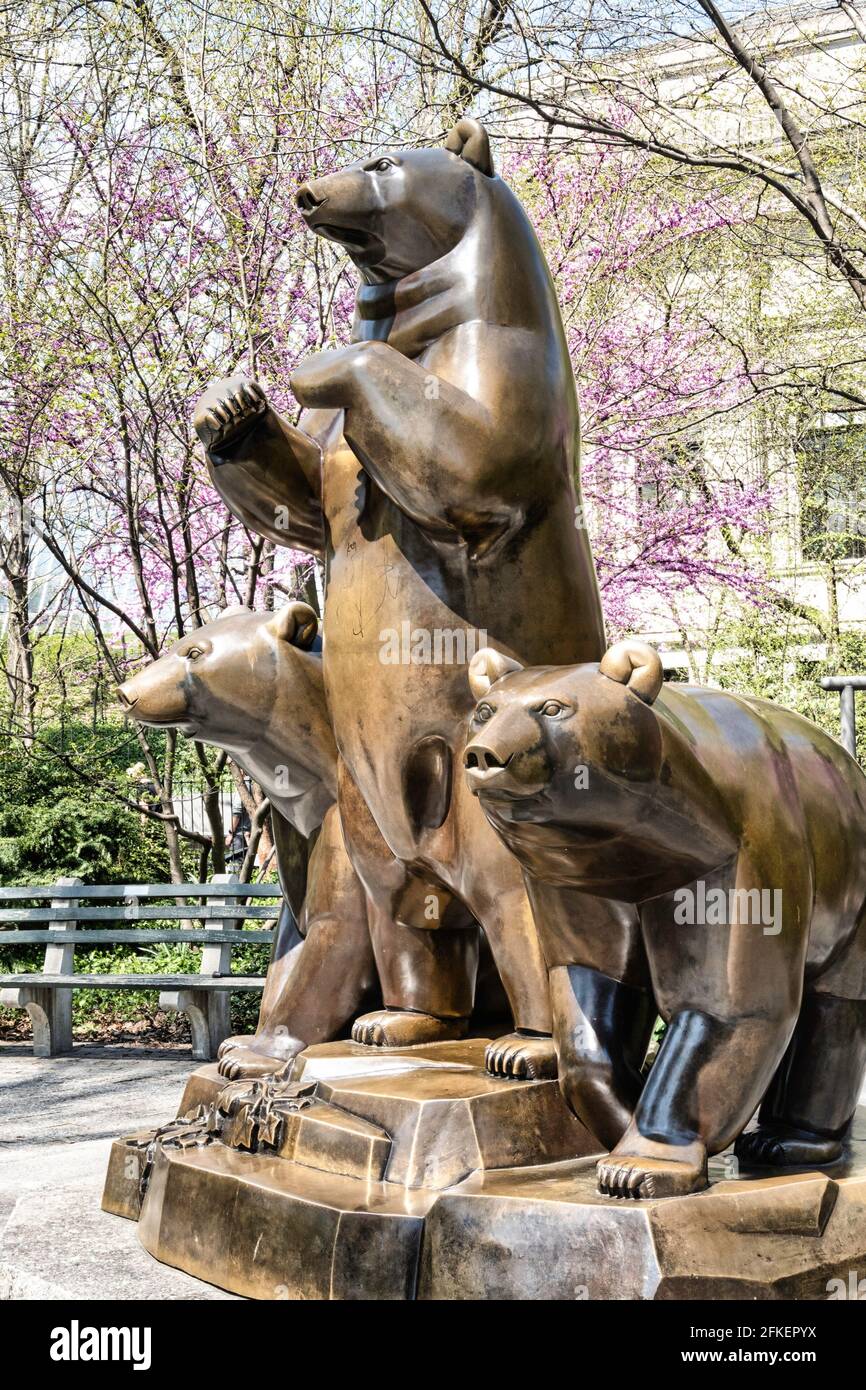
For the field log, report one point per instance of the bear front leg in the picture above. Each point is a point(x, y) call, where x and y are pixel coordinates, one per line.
point(443, 456)
point(268, 1049)
point(707, 1079)
point(319, 984)
point(266, 470)
point(331, 974)
point(426, 973)
point(498, 900)
point(602, 1029)
point(427, 978)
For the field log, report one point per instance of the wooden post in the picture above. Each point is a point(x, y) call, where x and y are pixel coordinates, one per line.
point(849, 720)
point(217, 960)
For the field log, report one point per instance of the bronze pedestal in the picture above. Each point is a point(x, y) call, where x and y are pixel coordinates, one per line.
point(415, 1174)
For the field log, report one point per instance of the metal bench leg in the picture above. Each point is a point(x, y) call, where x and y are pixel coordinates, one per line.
point(208, 1014)
point(50, 1013)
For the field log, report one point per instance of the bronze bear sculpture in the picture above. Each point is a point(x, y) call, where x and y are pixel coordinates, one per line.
point(434, 467)
point(251, 684)
point(729, 834)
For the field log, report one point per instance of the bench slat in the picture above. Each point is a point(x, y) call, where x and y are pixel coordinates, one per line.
point(200, 936)
point(141, 890)
point(131, 912)
point(161, 982)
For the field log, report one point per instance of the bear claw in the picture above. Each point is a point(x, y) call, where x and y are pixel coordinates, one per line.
point(242, 1062)
point(227, 410)
point(402, 1028)
point(522, 1056)
point(641, 1178)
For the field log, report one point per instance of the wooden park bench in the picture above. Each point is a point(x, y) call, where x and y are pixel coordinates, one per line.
point(82, 916)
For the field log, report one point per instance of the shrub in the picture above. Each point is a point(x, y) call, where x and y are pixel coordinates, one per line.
point(97, 842)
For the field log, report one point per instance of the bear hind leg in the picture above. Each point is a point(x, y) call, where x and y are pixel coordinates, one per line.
point(427, 978)
point(807, 1112)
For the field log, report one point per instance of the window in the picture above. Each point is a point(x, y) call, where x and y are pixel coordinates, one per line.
point(832, 483)
point(673, 482)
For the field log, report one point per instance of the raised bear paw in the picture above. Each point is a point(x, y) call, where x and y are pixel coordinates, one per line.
point(524, 1056)
point(227, 410)
point(399, 1028)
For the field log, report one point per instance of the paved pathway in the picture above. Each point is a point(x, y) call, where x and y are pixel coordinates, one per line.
point(58, 1117)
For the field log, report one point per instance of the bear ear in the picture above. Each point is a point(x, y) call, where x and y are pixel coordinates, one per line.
point(296, 624)
point(486, 667)
point(469, 140)
point(636, 665)
point(234, 611)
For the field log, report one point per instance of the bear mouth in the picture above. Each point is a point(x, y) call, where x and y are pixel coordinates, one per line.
point(350, 236)
point(184, 726)
point(499, 784)
point(356, 240)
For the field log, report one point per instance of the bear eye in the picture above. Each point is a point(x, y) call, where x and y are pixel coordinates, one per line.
point(551, 708)
point(382, 165)
point(483, 713)
point(194, 653)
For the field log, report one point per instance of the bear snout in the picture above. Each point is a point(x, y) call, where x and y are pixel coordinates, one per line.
point(155, 695)
point(495, 770)
point(126, 695)
point(486, 759)
point(307, 200)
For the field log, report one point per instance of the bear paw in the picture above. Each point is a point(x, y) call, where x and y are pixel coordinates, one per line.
point(259, 1054)
point(524, 1056)
point(242, 1062)
point(227, 411)
point(622, 1176)
point(402, 1028)
point(782, 1146)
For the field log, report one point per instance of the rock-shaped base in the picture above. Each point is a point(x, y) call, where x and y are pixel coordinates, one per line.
point(323, 1189)
point(445, 1115)
point(548, 1234)
point(274, 1230)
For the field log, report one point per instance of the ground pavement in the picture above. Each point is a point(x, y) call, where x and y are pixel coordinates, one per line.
point(58, 1117)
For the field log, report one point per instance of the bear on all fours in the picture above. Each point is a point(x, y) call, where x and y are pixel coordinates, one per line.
point(731, 835)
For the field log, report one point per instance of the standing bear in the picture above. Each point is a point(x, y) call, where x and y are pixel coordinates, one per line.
point(731, 836)
point(251, 684)
point(434, 468)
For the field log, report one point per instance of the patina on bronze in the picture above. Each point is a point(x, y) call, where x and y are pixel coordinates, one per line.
point(728, 832)
point(434, 467)
point(416, 1174)
point(251, 684)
